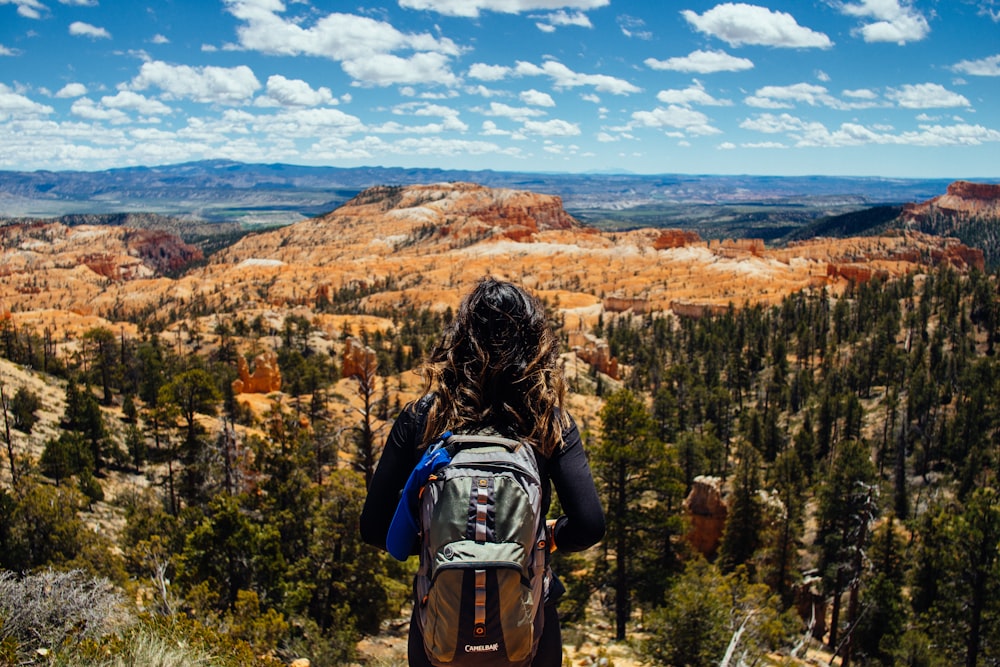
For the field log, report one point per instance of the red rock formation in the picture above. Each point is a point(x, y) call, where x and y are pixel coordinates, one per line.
point(675, 238)
point(359, 360)
point(266, 376)
point(962, 199)
point(619, 304)
point(707, 512)
point(162, 251)
point(594, 351)
point(735, 247)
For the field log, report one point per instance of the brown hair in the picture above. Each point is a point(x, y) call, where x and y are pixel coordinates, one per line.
point(497, 365)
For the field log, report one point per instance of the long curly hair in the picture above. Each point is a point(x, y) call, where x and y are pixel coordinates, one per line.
point(497, 365)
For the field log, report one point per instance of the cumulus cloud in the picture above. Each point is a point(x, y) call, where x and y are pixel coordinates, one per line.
point(693, 94)
point(127, 99)
point(29, 9)
point(786, 97)
point(213, 85)
point(160, 39)
point(366, 48)
point(472, 8)
point(983, 67)
point(485, 72)
point(88, 109)
point(564, 77)
point(286, 92)
point(893, 21)
point(778, 97)
point(537, 98)
point(449, 117)
point(81, 29)
point(926, 96)
point(551, 128)
point(507, 111)
point(4, 51)
point(810, 134)
point(16, 105)
point(701, 62)
point(740, 24)
point(550, 22)
point(72, 90)
point(678, 117)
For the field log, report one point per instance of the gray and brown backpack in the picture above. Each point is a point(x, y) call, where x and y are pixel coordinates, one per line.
point(483, 553)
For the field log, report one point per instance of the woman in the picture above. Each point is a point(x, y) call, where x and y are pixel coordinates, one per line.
point(496, 366)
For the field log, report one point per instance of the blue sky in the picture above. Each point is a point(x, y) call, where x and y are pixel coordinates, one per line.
point(891, 88)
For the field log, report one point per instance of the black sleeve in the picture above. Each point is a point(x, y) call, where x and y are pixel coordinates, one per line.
point(394, 466)
point(582, 524)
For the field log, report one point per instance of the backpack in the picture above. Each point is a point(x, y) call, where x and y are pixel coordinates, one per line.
point(483, 554)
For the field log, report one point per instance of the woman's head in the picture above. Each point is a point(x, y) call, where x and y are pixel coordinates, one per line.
point(497, 365)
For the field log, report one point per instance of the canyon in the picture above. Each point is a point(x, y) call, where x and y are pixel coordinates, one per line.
point(423, 246)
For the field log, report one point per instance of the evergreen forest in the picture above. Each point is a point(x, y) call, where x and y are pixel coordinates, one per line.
point(855, 439)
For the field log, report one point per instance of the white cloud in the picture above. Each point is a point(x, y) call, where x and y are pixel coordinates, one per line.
point(983, 67)
point(364, 47)
point(30, 9)
point(160, 39)
point(550, 22)
point(72, 90)
point(294, 93)
point(693, 94)
point(785, 97)
point(81, 29)
point(564, 77)
point(507, 111)
point(537, 98)
point(483, 91)
point(289, 123)
point(384, 69)
point(490, 129)
point(678, 117)
point(633, 26)
point(485, 72)
point(88, 109)
point(740, 24)
point(894, 21)
point(780, 97)
point(926, 96)
point(552, 128)
point(79, 3)
point(15, 105)
point(126, 99)
point(861, 94)
point(218, 85)
point(449, 117)
point(4, 51)
point(811, 134)
point(702, 62)
point(951, 135)
point(472, 8)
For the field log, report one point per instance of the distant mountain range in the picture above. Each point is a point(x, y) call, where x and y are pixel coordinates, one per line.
point(220, 190)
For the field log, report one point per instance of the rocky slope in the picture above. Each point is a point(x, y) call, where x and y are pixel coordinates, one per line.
point(963, 200)
point(967, 211)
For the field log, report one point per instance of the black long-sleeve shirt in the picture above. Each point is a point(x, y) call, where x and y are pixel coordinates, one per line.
point(580, 526)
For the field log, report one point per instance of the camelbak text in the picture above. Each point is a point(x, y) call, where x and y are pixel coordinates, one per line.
point(479, 648)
